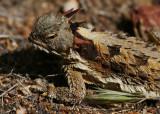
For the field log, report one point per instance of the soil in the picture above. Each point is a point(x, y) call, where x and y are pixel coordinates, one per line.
point(21, 63)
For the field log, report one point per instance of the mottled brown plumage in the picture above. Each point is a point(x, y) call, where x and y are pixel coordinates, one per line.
point(107, 60)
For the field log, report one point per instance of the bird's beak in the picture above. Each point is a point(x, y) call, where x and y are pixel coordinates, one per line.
point(71, 13)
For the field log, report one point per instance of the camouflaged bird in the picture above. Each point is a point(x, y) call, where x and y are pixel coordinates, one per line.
point(107, 60)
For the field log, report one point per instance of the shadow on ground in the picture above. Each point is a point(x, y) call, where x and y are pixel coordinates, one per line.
point(29, 61)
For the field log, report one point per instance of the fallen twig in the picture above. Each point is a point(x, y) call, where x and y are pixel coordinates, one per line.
point(4, 36)
point(9, 89)
point(23, 87)
point(2, 105)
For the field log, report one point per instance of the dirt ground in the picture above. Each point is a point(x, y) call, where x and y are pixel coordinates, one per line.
point(20, 63)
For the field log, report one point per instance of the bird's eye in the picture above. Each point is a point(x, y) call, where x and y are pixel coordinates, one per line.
point(52, 36)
